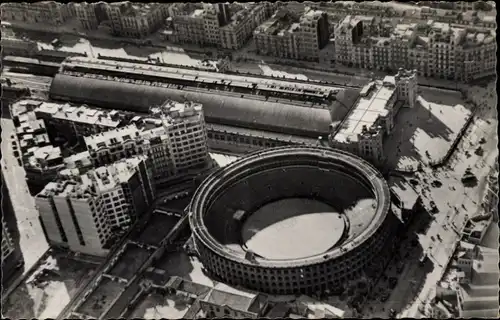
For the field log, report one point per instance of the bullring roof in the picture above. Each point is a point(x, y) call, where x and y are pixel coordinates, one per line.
point(218, 108)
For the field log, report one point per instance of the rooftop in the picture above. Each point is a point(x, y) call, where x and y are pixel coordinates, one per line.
point(367, 110)
point(223, 295)
point(279, 24)
point(112, 138)
point(81, 114)
point(405, 192)
point(78, 160)
point(138, 9)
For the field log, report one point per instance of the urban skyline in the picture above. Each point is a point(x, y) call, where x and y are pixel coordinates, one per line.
point(205, 160)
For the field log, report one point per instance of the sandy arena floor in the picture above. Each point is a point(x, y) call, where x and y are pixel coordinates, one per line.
point(293, 229)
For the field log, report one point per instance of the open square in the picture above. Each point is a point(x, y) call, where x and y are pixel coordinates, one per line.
point(425, 133)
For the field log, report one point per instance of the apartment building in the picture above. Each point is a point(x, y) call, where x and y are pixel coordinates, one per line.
point(76, 121)
point(136, 20)
point(477, 290)
point(216, 24)
point(372, 118)
point(47, 12)
point(175, 140)
point(293, 36)
point(276, 37)
point(86, 14)
point(82, 211)
point(189, 23)
point(434, 49)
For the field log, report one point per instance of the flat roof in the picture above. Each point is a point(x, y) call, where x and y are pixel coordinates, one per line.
point(79, 114)
point(112, 137)
point(366, 111)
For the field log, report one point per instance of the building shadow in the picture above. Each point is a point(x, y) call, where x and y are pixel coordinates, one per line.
point(13, 265)
point(402, 144)
point(19, 305)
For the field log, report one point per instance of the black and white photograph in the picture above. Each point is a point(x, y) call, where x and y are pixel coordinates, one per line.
point(246, 160)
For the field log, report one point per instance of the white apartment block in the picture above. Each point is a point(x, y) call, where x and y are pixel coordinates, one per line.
point(175, 141)
point(8, 246)
point(372, 118)
point(77, 121)
point(288, 35)
point(434, 49)
point(81, 211)
point(48, 12)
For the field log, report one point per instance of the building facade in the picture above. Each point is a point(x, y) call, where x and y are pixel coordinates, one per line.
point(17, 47)
point(372, 117)
point(48, 12)
point(86, 14)
point(76, 121)
point(288, 35)
point(217, 25)
point(434, 49)
point(81, 211)
point(175, 140)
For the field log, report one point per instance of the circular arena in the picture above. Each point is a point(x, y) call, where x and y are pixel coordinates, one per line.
point(291, 220)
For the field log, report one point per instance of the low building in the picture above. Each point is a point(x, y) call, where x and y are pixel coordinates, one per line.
point(476, 228)
point(372, 118)
point(81, 211)
point(404, 197)
point(224, 302)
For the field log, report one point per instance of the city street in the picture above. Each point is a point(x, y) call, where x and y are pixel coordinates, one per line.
point(32, 239)
point(452, 194)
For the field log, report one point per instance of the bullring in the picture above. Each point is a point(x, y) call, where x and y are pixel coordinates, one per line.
point(336, 203)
